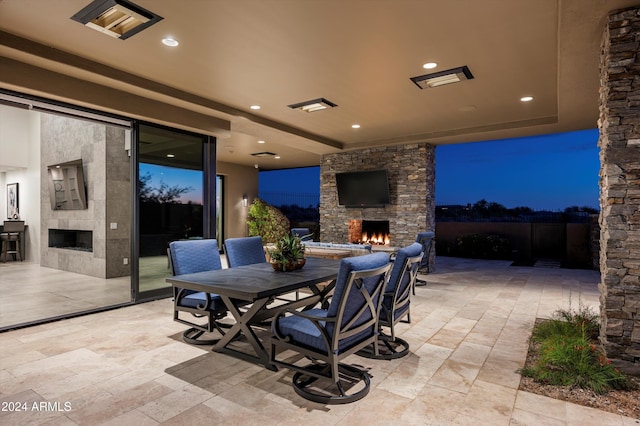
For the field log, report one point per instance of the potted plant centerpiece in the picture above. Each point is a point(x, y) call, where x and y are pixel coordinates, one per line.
point(288, 254)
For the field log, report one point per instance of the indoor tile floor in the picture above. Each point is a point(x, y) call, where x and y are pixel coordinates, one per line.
point(468, 335)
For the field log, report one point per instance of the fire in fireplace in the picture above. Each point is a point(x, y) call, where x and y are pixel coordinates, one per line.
point(374, 232)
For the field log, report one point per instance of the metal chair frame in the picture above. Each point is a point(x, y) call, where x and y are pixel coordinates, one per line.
point(327, 364)
point(427, 245)
point(391, 346)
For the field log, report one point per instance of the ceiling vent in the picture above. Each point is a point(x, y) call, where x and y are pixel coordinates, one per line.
point(117, 18)
point(313, 105)
point(441, 78)
point(263, 154)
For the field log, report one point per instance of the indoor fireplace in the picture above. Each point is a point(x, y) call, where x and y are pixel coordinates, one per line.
point(71, 239)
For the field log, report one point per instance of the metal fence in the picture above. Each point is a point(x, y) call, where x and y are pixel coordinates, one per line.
point(459, 213)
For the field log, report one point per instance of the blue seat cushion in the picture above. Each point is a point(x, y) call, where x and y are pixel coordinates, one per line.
point(304, 333)
point(192, 300)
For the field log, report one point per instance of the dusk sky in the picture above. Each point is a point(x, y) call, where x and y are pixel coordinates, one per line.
point(548, 172)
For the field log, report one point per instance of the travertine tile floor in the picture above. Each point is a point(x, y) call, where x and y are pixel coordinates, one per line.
point(468, 335)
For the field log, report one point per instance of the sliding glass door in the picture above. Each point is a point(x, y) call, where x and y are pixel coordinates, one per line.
point(174, 199)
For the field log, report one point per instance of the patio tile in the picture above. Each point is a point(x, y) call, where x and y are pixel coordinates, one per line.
point(468, 336)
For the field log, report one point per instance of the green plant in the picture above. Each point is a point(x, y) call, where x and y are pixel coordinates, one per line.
point(288, 251)
point(266, 221)
point(482, 246)
point(569, 356)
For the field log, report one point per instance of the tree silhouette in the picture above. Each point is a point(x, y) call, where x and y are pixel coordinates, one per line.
point(163, 194)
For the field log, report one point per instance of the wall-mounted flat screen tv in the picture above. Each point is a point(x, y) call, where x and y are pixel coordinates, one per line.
point(363, 189)
point(66, 186)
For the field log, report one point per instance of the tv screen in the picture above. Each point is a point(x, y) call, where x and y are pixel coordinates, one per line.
point(66, 186)
point(363, 189)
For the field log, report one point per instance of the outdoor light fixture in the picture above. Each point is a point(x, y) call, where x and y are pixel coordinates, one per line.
point(313, 105)
point(454, 75)
point(116, 18)
point(264, 154)
point(245, 200)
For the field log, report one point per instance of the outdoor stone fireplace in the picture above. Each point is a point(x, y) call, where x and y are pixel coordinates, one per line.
point(411, 174)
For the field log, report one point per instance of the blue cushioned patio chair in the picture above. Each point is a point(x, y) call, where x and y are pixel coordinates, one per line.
point(303, 233)
point(326, 337)
point(188, 257)
point(425, 238)
point(395, 304)
point(244, 251)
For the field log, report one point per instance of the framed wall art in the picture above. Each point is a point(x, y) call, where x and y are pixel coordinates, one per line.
point(12, 201)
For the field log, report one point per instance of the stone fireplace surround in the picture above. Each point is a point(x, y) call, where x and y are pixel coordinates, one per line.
point(411, 172)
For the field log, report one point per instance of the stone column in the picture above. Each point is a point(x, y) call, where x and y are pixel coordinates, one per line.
point(620, 189)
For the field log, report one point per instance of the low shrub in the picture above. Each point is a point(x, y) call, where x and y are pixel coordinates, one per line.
point(568, 353)
point(482, 246)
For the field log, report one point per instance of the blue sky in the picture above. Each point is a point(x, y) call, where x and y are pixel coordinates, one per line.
point(543, 172)
point(548, 172)
point(173, 176)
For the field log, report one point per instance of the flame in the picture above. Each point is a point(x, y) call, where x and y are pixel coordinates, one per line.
point(376, 238)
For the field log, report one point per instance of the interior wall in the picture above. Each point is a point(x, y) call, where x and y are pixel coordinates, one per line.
point(20, 157)
point(238, 181)
point(66, 139)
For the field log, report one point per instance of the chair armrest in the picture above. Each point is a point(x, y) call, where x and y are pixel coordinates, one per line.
point(181, 293)
point(315, 320)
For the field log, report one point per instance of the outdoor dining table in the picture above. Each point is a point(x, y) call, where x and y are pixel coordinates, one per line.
point(248, 290)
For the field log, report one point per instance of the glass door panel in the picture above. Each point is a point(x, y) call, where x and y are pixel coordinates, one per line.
point(171, 207)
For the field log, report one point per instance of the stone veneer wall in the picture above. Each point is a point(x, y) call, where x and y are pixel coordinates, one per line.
point(411, 171)
point(620, 189)
point(106, 170)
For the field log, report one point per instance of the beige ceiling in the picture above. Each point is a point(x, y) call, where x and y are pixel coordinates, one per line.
point(359, 54)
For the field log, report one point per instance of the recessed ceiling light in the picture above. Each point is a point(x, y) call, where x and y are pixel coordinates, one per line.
point(429, 65)
point(116, 18)
point(170, 155)
point(526, 99)
point(313, 105)
point(255, 107)
point(454, 75)
point(171, 42)
point(355, 126)
point(260, 141)
point(277, 157)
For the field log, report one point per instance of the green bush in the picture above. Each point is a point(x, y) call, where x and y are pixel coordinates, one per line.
point(569, 356)
point(482, 246)
point(266, 221)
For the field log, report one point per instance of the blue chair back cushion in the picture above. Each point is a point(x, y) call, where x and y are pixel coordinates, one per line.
point(191, 256)
point(399, 280)
point(244, 251)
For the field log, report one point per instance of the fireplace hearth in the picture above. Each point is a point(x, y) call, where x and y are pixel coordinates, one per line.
point(375, 232)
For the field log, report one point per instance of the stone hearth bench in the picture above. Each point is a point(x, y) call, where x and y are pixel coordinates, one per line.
point(329, 250)
point(351, 249)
